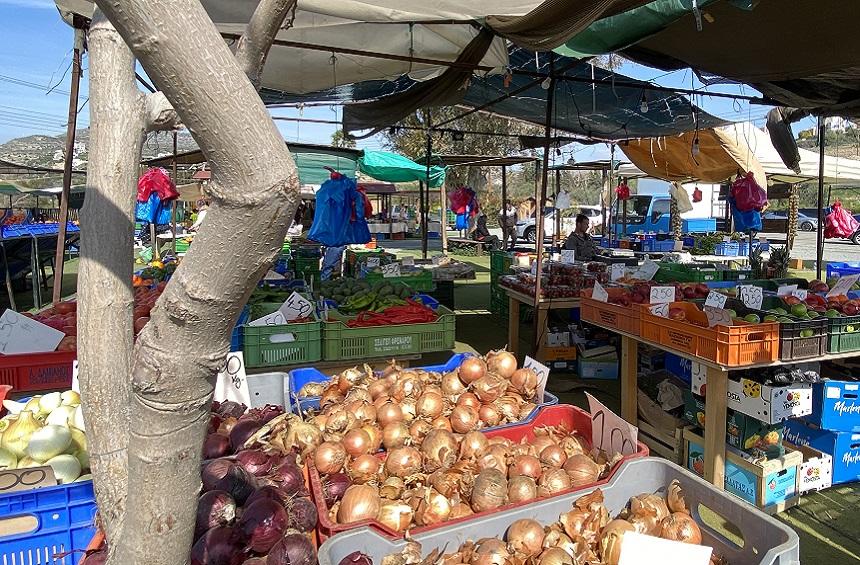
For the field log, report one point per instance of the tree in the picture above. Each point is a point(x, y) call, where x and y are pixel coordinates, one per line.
point(146, 407)
point(341, 139)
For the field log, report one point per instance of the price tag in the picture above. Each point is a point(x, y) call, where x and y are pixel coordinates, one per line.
point(273, 276)
point(20, 334)
point(679, 245)
point(842, 286)
point(296, 306)
point(661, 310)
point(408, 261)
point(716, 299)
point(786, 290)
point(609, 431)
point(751, 296)
point(276, 318)
point(14, 480)
point(568, 255)
point(542, 373)
point(616, 271)
point(372, 262)
point(534, 268)
point(800, 293)
point(662, 294)
point(717, 317)
point(392, 270)
point(232, 382)
point(599, 293)
point(647, 270)
point(641, 549)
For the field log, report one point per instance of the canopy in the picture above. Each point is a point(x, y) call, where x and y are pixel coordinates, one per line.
point(391, 167)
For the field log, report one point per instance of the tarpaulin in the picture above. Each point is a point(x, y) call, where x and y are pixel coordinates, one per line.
point(391, 167)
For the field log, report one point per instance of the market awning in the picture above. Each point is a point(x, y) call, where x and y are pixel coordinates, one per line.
point(391, 167)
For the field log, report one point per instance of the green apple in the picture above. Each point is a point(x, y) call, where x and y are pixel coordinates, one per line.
point(781, 311)
point(812, 314)
point(771, 318)
point(806, 333)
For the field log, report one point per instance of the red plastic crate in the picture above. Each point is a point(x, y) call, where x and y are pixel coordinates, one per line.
point(32, 372)
point(572, 418)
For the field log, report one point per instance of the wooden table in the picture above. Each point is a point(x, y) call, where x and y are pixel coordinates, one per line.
point(542, 308)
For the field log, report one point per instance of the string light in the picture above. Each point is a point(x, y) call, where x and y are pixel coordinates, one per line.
point(643, 105)
point(547, 82)
point(696, 146)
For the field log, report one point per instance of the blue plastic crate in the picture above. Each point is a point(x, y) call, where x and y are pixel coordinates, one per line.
point(65, 524)
point(727, 249)
point(842, 269)
point(689, 241)
point(700, 225)
point(236, 337)
point(743, 248)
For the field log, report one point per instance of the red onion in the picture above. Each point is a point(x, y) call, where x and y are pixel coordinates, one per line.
point(267, 492)
point(254, 461)
point(214, 508)
point(222, 474)
point(302, 514)
point(216, 445)
point(293, 549)
point(290, 479)
point(230, 409)
point(255, 561)
point(263, 523)
point(242, 431)
point(356, 558)
point(267, 413)
point(334, 486)
point(219, 546)
point(214, 423)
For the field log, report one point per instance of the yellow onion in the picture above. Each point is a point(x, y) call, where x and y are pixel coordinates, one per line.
point(525, 537)
point(489, 387)
point(17, 435)
point(573, 521)
point(508, 406)
point(359, 395)
point(330, 457)
point(490, 552)
point(395, 515)
point(418, 430)
point(359, 502)
point(389, 413)
point(408, 408)
point(429, 405)
point(539, 443)
point(439, 449)
point(446, 481)
point(464, 419)
point(441, 423)
point(582, 470)
point(525, 465)
point(552, 482)
point(610, 540)
point(675, 498)
point(555, 556)
point(407, 386)
point(500, 440)
point(392, 488)
point(651, 502)
point(680, 526)
point(489, 415)
point(525, 382)
point(364, 468)
point(553, 456)
point(460, 510)
point(339, 421)
point(378, 388)
point(452, 385)
point(379, 401)
point(496, 457)
point(375, 434)
point(526, 408)
point(521, 489)
point(357, 442)
point(490, 490)
point(473, 445)
point(502, 362)
point(433, 509)
point(472, 369)
point(470, 400)
point(403, 462)
point(348, 379)
point(364, 412)
point(395, 435)
point(574, 445)
point(320, 421)
point(645, 521)
point(330, 395)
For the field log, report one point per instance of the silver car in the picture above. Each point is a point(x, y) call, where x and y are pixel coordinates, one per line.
point(527, 230)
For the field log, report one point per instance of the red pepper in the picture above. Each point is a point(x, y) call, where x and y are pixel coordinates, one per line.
point(411, 313)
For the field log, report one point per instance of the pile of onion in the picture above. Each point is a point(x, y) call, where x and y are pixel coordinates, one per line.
point(585, 534)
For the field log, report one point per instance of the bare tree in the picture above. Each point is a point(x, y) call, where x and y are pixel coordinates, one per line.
point(146, 410)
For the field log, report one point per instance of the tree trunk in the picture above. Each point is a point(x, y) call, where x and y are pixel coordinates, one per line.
point(105, 297)
point(254, 191)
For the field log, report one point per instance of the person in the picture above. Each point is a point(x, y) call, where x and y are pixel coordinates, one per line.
point(508, 220)
point(201, 215)
point(482, 233)
point(583, 246)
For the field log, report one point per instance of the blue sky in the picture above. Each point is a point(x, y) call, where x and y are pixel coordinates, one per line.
point(37, 56)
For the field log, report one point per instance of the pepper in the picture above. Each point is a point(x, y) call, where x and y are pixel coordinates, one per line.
point(410, 313)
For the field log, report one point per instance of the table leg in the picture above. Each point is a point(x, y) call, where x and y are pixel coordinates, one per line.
point(629, 377)
point(513, 326)
point(542, 328)
point(715, 427)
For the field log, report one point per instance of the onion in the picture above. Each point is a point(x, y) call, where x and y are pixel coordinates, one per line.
point(377, 388)
point(433, 509)
point(392, 488)
point(469, 399)
point(521, 489)
point(364, 412)
point(439, 449)
point(225, 475)
point(408, 408)
point(582, 470)
point(442, 423)
point(360, 502)
point(407, 386)
point(460, 510)
point(331, 395)
point(473, 445)
point(340, 421)
point(356, 558)
point(610, 540)
point(348, 379)
point(289, 478)
point(525, 537)
point(555, 556)
point(403, 462)
point(396, 516)
point(490, 490)
point(254, 461)
point(489, 387)
point(464, 419)
point(268, 492)
point(394, 435)
point(253, 561)
point(242, 432)
point(429, 405)
point(418, 430)
point(645, 521)
point(491, 552)
point(303, 436)
point(231, 409)
point(302, 514)
point(334, 486)
point(508, 406)
point(329, 457)
point(675, 498)
point(380, 400)
point(472, 369)
point(227, 423)
point(539, 443)
point(573, 522)
point(525, 382)
point(553, 456)
point(267, 413)
point(364, 468)
point(489, 415)
point(221, 545)
point(356, 442)
point(214, 508)
point(653, 503)
point(553, 481)
point(574, 445)
point(375, 434)
point(452, 385)
point(502, 362)
point(679, 526)
point(525, 465)
point(293, 549)
point(216, 445)
point(263, 523)
point(389, 413)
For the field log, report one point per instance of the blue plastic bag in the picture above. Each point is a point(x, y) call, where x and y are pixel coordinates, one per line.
point(152, 211)
point(746, 221)
point(339, 218)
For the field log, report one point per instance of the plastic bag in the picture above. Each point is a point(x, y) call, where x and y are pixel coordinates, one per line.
point(677, 192)
point(747, 194)
point(153, 211)
point(622, 191)
point(840, 222)
point(745, 221)
point(562, 201)
point(697, 194)
point(340, 213)
point(156, 181)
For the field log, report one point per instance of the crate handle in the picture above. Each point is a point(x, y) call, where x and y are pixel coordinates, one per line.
point(18, 525)
point(715, 523)
point(282, 338)
point(849, 395)
point(756, 336)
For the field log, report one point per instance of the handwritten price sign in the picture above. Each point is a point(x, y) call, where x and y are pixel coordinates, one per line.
point(568, 256)
point(542, 373)
point(647, 270)
point(662, 294)
point(392, 270)
point(843, 285)
point(408, 261)
point(751, 296)
point(610, 432)
point(717, 317)
point(232, 382)
point(616, 271)
point(661, 310)
point(716, 300)
point(296, 306)
point(372, 262)
point(599, 293)
point(638, 549)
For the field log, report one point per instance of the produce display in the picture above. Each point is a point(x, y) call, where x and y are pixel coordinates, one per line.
point(584, 535)
point(410, 312)
point(353, 295)
point(154, 273)
point(632, 291)
point(61, 316)
point(46, 430)
point(558, 280)
point(405, 270)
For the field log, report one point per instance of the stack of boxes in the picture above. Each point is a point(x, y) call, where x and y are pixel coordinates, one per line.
point(500, 264)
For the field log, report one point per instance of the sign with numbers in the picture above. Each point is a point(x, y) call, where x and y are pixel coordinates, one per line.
point(786, 290)
point(391, 270)
point(232, 382)
point(616, 271)
point(20, 334)
point(647, 270)
point(408, 261)
point(639, 549)
point(13, 480)
point(609, 431)
point(751, 296)
point(800, 293)
point(842, 286)
point(599, 293)
point(372, 262)
point(717, 317)
point(662, 294)
point(296, 306)
point(568, 255)
point(542, 373)
point(661, 310)
point(716, 299)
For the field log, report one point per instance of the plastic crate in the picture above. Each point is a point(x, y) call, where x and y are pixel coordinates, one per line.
point(444, 293)
point(727, 249)
point(275, 346)
point(677, 272)
point(700, 225)
point(302, 265)
point(570, 418)
point(842, 269)
point(33, 372)
point(843, 334)
point(765, 540)
point(65, 522)
point(269, 388)
point(421, 279)
point(354, 259)
point(611, 316)
point(658, 246)
point(732, 275)
point(236, 336)
point(500, 261)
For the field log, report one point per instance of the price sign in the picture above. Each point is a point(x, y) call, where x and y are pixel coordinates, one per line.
point(698, 377)
point(786, 290)
point(12, 480)
point(716, 299)
point(647, 270)
point(751, 296)
point(20, 334)
point(408, 261)
point(679, 245)
point(76, 384)
point(392, 270)
point(232, 382)
point(599, 293)
point(568, 256)
point(641, 549)
point(542, 373)
point(661, 310)
point(273, 276)
point(534, 268)
point(662, 294)
point(609, 431)
point(717, 317)
point(842, 286)
point(372, 262)
point(296, 306)
point(616, 271)
point(801, 293)
point(276, 318)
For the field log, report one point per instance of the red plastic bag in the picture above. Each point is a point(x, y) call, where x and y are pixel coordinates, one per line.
point(697, 194)
point(840, 222)
point(158, 181)
point(622, 191)
point(748, 195)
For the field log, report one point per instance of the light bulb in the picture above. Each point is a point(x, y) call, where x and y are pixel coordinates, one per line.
point(695, 146)
point(547, 82)
point(643, 106)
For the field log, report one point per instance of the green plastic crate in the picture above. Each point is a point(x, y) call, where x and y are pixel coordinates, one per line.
point(742, 275)
point(421, 280)
point(354, 260)
point(843, 334)
point(341, 342)
point(275, 346)
point(500, 261)
point(677, 272)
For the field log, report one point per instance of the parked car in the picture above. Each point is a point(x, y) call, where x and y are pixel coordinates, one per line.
point(527, 230)
point(649, 213)
point(804, 222)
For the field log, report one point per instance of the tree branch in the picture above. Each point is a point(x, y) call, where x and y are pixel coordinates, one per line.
point(160, 115)
point(257, 40)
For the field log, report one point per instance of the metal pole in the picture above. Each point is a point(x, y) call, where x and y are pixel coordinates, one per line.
point(550, 96)
point(603, 194)
point(426, 198)
point(820, 235)
point(443, 218)
point(505, 206)
point(175, 202)
point(614, 227)
point(67, 166)
point(556, 236)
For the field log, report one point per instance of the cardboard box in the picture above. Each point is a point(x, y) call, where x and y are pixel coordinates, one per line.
point(843, 447)
point(604, 367)
point(816, 471)
point(836, 406)
point(770, 404)
point(566, 353)
point(558, 339)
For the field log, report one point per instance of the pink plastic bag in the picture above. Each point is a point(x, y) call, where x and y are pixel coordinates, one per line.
point(840, 222)
point(748, 195)
point(158, 181)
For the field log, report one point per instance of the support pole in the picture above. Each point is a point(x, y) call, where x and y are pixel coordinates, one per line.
point(603, 197)
point(505, 206)
point(71, 126)
point(556, 236)
point(613, 227)
point(819, 257)
point(443, 218)
point(175, 202)
point(550, 98)
point(425, 204)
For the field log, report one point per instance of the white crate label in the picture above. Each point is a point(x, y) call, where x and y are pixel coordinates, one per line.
point(616, 271)
point(542, 373)
point(609, 431)
point(662, 294)
point(717, 317)
point(833, 392)
point(751, 296)
point(232, 382)
point(296, 306)
point(786, 290)
point(800, 293)
point(20, 334)
point(647, 270)
point(599, 293)
point(391, 270)
point(568, 256)
point(679, 245)
point(372, 262)
point(716, 300)
point(843, 285)
point(408, 261)
point(661, 310)
point(641, 549)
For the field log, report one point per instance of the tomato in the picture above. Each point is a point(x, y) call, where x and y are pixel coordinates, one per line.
point(70, 330)
point(65, 307)
point(160, 286)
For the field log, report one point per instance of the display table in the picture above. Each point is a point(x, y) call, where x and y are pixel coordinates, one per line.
point(542, 308)
point(721, 259)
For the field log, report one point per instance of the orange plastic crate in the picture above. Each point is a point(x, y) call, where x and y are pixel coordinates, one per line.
point(732, 346)
point(611, 316)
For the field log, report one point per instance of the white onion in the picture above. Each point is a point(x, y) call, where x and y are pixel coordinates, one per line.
point(66, 468)
point(49, 442)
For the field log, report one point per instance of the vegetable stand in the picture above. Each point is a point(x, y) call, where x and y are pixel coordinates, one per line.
point(542, 308)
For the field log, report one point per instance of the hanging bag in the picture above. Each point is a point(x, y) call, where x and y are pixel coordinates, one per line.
point(747, 194)
point(840, 222)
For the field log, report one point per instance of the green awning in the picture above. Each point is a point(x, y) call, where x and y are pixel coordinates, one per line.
point(311, 165)
point(391, 167)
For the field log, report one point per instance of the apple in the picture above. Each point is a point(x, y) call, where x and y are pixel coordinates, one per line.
point(677, 314)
